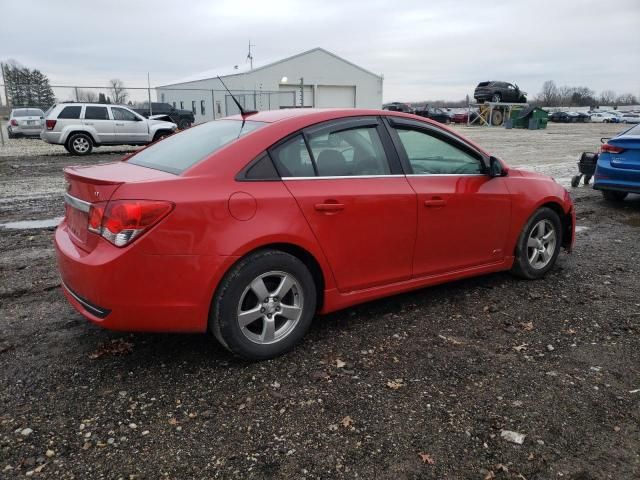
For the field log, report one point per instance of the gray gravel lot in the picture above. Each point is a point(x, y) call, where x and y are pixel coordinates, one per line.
point(421, 385)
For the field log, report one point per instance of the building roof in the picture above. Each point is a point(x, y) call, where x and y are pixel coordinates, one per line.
point(244, 69)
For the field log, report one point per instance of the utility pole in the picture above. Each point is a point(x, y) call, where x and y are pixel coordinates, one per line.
point(250, 56)
point(149, 94)
point(301, 92)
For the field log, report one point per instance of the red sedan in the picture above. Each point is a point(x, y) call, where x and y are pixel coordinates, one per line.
point(248, 227)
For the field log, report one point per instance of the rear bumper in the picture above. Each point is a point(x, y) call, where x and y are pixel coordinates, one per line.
point(126, 289)
point(22, 130)
point(618, 179)
point(51, 137)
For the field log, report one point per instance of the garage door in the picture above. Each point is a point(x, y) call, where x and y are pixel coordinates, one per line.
point(336, 96)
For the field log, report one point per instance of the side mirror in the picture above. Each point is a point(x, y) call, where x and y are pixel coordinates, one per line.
point(495, 168)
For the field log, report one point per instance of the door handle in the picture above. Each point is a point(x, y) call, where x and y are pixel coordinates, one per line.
point(329, 207)
point(88, 123)
point(435, 202)
point(120, 124)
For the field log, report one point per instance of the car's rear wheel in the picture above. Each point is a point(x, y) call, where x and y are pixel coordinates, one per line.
point(538, 245)
point(613, 196)
point(497, 117)
point(79, 144)
point(264, 305)
point(496, 97)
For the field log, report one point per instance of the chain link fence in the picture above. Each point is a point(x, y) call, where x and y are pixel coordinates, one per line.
point(205, 104)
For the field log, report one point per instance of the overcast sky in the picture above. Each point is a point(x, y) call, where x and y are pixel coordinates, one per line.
point(426, 49)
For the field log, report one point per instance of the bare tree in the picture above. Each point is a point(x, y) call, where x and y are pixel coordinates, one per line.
point(119, 91)
point(608, 97)
point(549, 95)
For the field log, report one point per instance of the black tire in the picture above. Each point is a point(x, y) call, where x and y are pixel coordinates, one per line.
point(79, 144)
point(613, 196)
point(522, 265)
point(159, 135)
point(235, 289)
point(184, 123)
point(497, 118)
point(575, 181)
point(587, 179)
point(496, 97)
point(10, 134)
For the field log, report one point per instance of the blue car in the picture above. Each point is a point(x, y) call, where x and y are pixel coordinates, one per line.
point(618, 168)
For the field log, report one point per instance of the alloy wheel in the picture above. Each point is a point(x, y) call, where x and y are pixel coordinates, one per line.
point(270, 307)
point(541, 244)
point(80, 144)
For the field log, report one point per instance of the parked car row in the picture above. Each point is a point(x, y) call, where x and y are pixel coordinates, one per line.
point(612, 116)
point(80, 127)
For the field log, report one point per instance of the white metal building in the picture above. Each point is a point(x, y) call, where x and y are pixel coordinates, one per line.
point(326, 80)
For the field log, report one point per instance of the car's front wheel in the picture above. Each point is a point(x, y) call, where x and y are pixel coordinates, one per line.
point(184, 124)
point(538, 245)
point(79, 144)
point(613, 196)
point(264, 305)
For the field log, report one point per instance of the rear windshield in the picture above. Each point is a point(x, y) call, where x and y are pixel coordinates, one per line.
point(635, 130)
point(29, 112)
point(178, 152)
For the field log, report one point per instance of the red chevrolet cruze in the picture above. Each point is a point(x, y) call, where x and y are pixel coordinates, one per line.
point(249, 226)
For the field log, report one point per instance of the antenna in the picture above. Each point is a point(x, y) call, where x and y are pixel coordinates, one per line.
point(249, 56)
point(243, 112)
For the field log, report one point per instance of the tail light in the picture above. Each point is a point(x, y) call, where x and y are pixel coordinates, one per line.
point(50, 124)
point(14, 122)
point(611, 148)
point(122, 221)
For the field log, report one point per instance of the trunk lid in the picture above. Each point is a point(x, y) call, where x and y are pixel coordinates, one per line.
point(87, 185)
point(629, 159)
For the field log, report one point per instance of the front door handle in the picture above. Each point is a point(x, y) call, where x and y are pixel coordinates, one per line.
point(435, 202)
point(88, 123)
point(120, 124)
point(329, 207)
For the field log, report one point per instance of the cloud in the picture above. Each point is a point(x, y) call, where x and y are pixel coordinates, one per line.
point(424, 49)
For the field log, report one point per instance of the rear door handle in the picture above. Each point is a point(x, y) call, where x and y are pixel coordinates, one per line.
point(88, 123)
point(329, 207)
point(120, 124)
point(435, 202)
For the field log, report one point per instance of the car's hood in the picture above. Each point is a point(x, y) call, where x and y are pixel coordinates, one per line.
point(153, 121)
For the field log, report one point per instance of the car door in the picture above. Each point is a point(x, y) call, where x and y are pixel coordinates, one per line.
point(463, 214)
point(347, 180)
point(97, 118)
point(129, 127)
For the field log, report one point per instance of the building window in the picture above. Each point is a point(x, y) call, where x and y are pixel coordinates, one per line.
point(162, 97)
point(174, 105)
point(193, 106)
point(202, 110)
point(218, 107)
point(181, 105)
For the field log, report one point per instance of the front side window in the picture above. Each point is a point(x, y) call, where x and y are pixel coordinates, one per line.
point(428, 154)
point(70, 112)
point(183, 150)
point(96, 113)
point(353, 152)
point(123, 114)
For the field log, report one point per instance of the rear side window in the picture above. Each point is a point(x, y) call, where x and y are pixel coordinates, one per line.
point(178, 152)
point(96, 113)
point(353, 152)
point(70, 112)
point(292, 158)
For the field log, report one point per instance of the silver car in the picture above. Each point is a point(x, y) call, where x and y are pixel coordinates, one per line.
point(82, 126)
point(25, 122)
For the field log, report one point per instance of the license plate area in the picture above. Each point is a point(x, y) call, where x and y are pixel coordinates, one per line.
point(31, 122)
point(77, 223)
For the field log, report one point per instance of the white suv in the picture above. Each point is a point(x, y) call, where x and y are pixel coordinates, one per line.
point(82, 126)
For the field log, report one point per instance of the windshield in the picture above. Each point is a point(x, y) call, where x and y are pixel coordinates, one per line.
point(178, 152)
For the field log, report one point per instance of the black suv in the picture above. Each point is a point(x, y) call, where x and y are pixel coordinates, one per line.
point(494, 91)
point(182, 118)
point(397, 107)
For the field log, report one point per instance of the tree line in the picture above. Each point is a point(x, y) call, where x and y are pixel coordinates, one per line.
point(568, 96)
point(31, 88)
point(26, 87)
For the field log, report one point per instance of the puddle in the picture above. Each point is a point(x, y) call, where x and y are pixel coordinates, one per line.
point(28, 224)
point(581, 228)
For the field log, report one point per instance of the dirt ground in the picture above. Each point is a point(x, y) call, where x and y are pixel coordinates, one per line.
point(421, 385)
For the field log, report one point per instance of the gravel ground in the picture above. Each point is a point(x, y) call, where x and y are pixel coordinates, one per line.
point(421, 385)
